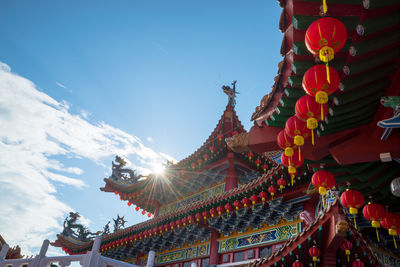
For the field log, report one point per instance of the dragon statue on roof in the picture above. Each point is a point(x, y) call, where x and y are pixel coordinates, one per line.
point(231, 92)
point(76, 230)
point(119, 223)
point(125, 174)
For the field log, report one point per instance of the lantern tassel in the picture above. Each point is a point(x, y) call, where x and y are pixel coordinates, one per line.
point(328, 76)
point(292, 179)
point(394, 241)
point(312, 137)
point(299, 154)
point(324, 6)
point(377, 234)
point(315, 264)
point(348, 258)
point(355, 223)
point(323, 202)
point(322, 112)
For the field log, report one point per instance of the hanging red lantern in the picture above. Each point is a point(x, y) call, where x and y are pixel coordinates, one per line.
point(184, 221)
point(212, 149)
point(263, 195)
point(220, 210)
point(140, 235)
point(149, 214)
point(116, 192)
point(178, 223)
point(346, 246)
point(213, 212)
point(237, 204)
point(282, 183)
point(228, 207)
point(297, 263)
point(199, 161)
point(353, 200)
point(205, 214)
point(246, 202)
point(206, 157)
point(220, 136)
point(297, 129)
point(325, 37)
point(375, 213)
point(315, 84)
point(197, 216)
point(292, 163)
point(391, 222)
point(286, 143)
point(272, 191)
point(253, 199)
point(172, 225)
point(264, 167)
point(358, 263)
point(257, 162)
point(190, 219)
point(234, 133)
point(250, 155)
point(323, 181)
point(308, 110)
point(143, 212)
point(193, 165)
point(314, 253)
point(160, 229)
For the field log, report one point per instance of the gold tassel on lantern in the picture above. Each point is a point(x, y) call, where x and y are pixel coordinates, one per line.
point(324, 6)
point(299, 141)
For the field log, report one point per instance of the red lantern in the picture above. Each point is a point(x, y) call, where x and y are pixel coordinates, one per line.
point(297, 263)
point(358, 263)
point(282, 183)
point(308, 110)
point(264, 167)
point(257, 162)
point(246, 202)
point(286, 142)
point(184, 221)
point(212, 149)
point(206, 215)
point(262, 195)
point(199, 161)
point(314, 253)
point(220, 210)
point(237, 204)
point(190, 219)
point(297, 129)
point(172, 225)
point(220, 136)
point(253, 199)
point(346, 246)
point(161, 229)
point(325, 37)
point(391, 222)
point(353, 200)
point(228, 207)
point(143, 212)
point(316, 84)
point(213, 212)
point(149, 214)
point(193, 165)
point(234, 133)
point(116, 192)
point(250, 155)
point(178, 223)
point(292, 163)
point(129, 203)
point(272, 191)
point(374, 212)
point(323, 181)
point(197, 216)
point(206, 157)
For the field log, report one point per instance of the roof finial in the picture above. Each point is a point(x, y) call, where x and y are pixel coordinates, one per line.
point(231, 92)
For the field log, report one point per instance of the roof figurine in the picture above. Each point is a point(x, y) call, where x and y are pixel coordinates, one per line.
point(231, 93)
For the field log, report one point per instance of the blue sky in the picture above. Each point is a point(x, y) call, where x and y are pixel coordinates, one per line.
point(84, 80)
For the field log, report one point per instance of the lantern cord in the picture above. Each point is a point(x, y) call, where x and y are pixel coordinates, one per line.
point(312, 137)
point(355, 223)
point(323, 202)
point(315, 264)
point(325, 7)
point(377, 234)
point(394, 241)
point(348, 258)
point(322, 112)
point(328, 76)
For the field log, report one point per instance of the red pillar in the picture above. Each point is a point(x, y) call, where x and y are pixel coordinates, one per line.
point(214, 247)
point(231, 176)
point(139, 254)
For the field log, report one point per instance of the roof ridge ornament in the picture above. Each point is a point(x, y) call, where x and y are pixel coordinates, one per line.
point(231, 93)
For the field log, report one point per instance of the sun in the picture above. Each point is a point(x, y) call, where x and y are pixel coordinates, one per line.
point(158, 169)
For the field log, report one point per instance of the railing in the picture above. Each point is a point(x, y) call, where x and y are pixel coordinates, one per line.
point(91, 259)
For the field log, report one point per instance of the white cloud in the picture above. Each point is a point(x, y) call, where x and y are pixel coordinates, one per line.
point(150, 139)
point(85, 114)
point(61, 85)
point(35, 129)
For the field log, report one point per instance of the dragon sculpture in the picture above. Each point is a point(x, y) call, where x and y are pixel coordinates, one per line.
point(76, 230)
point(119, 223)
point(118, 171)
point(231, 92)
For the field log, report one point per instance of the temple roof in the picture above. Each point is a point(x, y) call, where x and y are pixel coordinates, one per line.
point(206, 167)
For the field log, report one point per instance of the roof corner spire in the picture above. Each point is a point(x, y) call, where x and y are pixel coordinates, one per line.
point(231, 93)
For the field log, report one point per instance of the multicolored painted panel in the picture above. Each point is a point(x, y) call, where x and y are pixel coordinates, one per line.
point(183, 254)
point(272, 235)
point(193, 198)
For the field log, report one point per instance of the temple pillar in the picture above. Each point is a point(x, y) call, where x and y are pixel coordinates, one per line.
point(150, 258)
point(138, 256)
point(214, 247)
point(194, 264)
point(231, 176)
